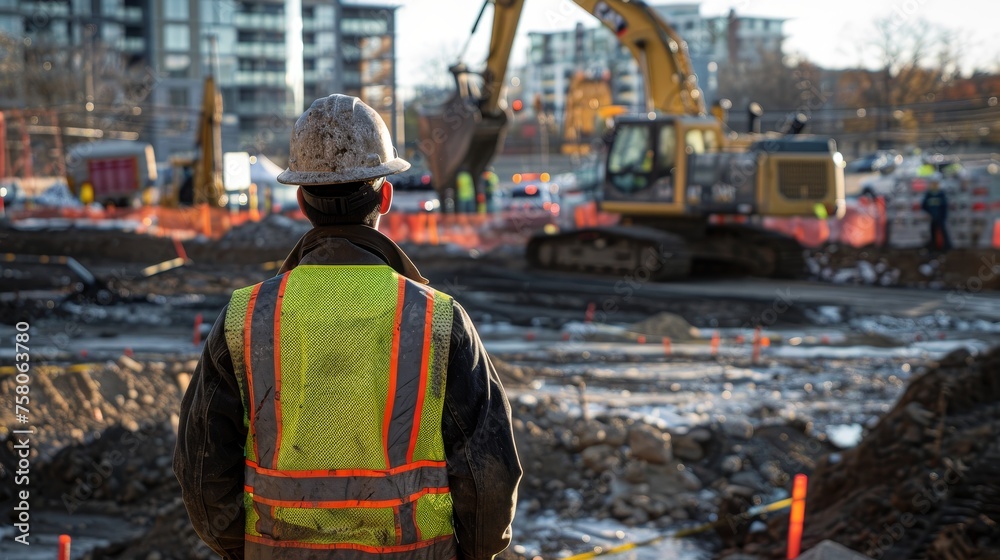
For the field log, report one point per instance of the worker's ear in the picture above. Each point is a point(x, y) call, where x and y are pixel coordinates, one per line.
point(386, 203)
point(301, 199)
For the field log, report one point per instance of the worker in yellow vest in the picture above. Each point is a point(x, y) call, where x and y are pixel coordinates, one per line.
point(466, 191)
point(344, 409)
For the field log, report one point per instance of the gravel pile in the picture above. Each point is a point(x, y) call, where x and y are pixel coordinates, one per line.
point(275, 232)
point(73, 404)
point(966, 270)
point(924, 483)
point(642, 474)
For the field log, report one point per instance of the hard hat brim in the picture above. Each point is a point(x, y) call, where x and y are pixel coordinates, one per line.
point(355, 175)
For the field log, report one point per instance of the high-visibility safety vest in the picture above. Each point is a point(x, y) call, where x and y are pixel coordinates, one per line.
point(466, 188)
point(342, 371)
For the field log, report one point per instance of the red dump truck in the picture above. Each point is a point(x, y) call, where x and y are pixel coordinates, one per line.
point(117, 170)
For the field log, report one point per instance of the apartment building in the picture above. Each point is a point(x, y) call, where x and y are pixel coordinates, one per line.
point(713, 42)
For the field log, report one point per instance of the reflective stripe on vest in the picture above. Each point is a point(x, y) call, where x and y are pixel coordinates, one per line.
point(342, 371)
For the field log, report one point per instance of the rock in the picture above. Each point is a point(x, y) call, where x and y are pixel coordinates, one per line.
point(736, 490)
point(690, 480)
point(650, 444)
point(732, 464)
point(679, 514)
point(587, 433)
point(597, 457)
point(133, 491)
point(686, 447)
point(183, 379)
point(129, 363)
point(738, 428)
point(635, 472)
point(616, 432)
point(829, 550)
point(665, 324)
point(620, 509)
point(638, 517)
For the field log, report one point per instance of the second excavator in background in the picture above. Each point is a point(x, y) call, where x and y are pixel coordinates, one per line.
point(668, 168)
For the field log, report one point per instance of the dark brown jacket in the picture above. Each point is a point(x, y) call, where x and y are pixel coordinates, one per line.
point(483, 468)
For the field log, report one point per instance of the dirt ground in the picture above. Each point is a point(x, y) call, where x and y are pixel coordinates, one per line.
point(622, 434)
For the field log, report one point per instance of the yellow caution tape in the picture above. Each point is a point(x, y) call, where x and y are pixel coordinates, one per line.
point(752, 512)
point(163, 266)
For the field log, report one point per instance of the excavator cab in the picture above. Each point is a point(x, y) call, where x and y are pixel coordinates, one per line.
point(647, 162)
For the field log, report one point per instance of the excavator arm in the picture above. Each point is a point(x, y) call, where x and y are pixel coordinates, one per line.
point(465, 132)
point(671, 85)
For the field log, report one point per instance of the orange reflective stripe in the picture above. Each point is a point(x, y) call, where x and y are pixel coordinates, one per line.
point(247, 365)
point(338, 504)
point(344, 472)
point(424, 372)
point(351, 546)
point(393, 365)
point(277, 367)
point(372, 488)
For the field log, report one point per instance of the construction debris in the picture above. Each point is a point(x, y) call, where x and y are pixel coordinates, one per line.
point(924, 483)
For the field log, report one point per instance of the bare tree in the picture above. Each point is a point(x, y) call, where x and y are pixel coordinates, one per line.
point(908, 62)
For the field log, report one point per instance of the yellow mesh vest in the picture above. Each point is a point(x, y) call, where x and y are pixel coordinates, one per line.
point(343, 371)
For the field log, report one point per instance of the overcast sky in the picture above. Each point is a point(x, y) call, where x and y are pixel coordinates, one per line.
point(431, 32)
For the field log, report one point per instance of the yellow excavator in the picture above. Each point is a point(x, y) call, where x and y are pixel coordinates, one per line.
point(197, 177)
point(667, 169)
point(588, 102)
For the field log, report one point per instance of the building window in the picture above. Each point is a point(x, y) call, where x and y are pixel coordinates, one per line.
point(176, 37)
point(178, 97)
point(177, 65)
point(355, 26)
point(176, 10)
point(324, 14)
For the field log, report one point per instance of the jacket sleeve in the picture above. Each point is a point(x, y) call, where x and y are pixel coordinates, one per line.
point(483, 468)
point(208, 459)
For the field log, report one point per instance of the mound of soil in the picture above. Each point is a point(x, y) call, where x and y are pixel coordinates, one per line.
point(924, 483)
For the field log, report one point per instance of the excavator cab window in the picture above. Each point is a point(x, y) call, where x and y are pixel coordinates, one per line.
point(667, 148)
point(630, 162)
point(699, 141)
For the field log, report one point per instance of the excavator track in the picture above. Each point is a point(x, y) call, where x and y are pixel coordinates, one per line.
point(635, 251)
point(732, 250)
point(736, 249)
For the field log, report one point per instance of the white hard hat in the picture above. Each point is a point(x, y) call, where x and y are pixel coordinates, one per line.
point(340, 139)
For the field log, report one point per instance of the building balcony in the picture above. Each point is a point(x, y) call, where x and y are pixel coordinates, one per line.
point(247, 108)
point(275, 51)
point(133, 45)
point(262, 78)
point(316, 76)
point(265, 22)
point(316, 25)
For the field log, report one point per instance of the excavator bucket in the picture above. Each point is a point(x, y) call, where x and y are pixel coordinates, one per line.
point(456, 135)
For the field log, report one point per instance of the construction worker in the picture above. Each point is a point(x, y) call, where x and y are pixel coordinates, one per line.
point(935, 203)
point(466, 192)
point(490, 182)
point(344, 409)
